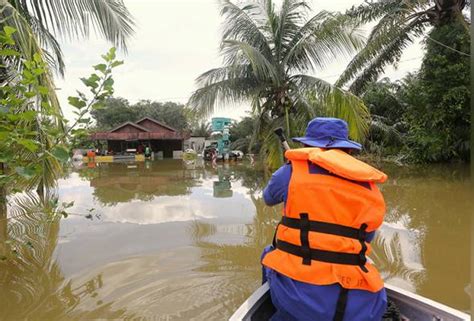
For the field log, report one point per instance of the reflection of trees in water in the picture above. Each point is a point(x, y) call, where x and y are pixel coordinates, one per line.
point(428, 217)
point(239, 264)
point(121, 182)
point(32, 283)
point(397, 254)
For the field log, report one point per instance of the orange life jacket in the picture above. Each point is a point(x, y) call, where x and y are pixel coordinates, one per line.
point(322, 236)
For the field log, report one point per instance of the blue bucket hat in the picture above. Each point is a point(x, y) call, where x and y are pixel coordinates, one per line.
point(326, 132)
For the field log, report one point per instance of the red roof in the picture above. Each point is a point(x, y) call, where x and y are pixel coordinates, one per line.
point(144, 129)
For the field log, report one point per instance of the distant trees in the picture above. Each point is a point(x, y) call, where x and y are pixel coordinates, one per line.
point(118, 110)
point(243, 135)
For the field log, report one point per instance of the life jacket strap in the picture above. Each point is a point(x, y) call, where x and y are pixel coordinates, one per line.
point(327, 228)
point(304, 238)
point(322, 255)
point(341, 305)
point(307, 253)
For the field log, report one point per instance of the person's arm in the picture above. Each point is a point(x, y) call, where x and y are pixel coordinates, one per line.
point(277, 188)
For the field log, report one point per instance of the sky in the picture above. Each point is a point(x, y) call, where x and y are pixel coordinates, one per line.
point(175, 41)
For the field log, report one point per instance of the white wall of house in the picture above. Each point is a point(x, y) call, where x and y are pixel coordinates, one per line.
point(196, 143)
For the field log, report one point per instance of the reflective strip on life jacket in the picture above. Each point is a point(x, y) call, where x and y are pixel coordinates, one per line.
point(322, 237)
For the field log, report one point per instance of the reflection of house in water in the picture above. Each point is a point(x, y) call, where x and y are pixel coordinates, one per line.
point(115, 183)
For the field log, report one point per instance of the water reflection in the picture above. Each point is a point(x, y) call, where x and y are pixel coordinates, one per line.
point(429, 210)
point(164, 246)
point(238, 265)
point(31, 282)
point(115, 183)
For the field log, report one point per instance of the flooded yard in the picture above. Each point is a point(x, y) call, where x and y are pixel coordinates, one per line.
point(163, 240)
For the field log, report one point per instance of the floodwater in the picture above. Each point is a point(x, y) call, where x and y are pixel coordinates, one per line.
point(167, 241)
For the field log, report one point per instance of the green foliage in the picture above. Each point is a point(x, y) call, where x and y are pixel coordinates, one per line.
point(269, 57)
point(26, 125)
point(387, 128)
point(439, 99)
point(203, 129)
point(100, 86)
point(425, 117)
point(397, 24)
point(33, 143)
point(242, 136)
point(116, 111)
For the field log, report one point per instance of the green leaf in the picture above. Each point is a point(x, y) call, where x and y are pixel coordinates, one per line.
point(9, 30)
point(76, 102)
point(25, 172)
point(43, 90)
point(92, 81)
point(29, 94)
point(108, 83)
point(116, 63)
point(110, 55)
point(9, 52)
point(28, 115)
point(29, 144)
point(101, 67)
point(37, 58)
point(61, 153)
point(98, 105)
point(4, 135)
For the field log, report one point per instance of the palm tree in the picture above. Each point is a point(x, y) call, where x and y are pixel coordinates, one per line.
point(39, 23)
point(269, 58)
point(203, 129)
point(399, 23)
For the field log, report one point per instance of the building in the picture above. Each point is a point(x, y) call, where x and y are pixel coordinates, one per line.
point(135, 136)
point(197, 143)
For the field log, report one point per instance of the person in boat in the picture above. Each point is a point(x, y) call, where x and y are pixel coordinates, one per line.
point(317, 267)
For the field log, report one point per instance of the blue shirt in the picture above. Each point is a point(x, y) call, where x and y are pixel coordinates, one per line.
point(276, 191)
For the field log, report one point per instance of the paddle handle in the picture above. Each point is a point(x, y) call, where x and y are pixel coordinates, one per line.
point(281, 135)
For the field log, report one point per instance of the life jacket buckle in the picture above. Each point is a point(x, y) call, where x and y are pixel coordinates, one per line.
point(362, 238)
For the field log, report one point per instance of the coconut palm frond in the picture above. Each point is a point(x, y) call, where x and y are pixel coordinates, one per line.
point(230, 91)
point(51, 47)
point(384, 49)
point(337, 103)
point(242, 24)
point(28, 46)
point(291, 17)
point(323, 39)
point(238, 52)
point(75, 19)
point(371, 11)
point(389, 53)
